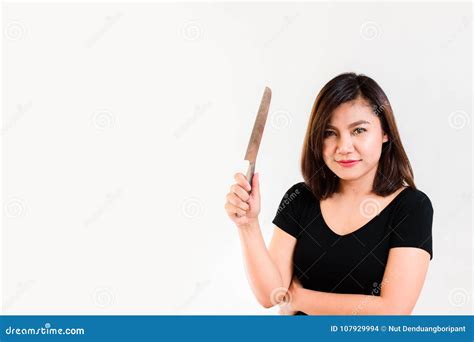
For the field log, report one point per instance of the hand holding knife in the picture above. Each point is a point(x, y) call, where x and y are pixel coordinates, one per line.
point(243, 201)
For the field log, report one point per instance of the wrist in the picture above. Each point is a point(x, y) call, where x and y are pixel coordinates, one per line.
point(251, 224)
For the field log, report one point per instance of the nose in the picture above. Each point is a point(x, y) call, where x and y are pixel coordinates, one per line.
point(344, 145)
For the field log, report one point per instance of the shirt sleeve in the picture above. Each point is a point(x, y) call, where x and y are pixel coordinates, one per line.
point(288, 215)
point(413, 228)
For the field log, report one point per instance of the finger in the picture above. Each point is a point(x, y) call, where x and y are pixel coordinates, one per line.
point(239, 191)
point(232, 209)
point(242, 181)
point(235, 200)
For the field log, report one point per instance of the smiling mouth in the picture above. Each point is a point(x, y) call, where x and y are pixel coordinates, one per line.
point(348, 161)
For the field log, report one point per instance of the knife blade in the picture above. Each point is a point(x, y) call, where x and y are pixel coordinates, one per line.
point(257, 132)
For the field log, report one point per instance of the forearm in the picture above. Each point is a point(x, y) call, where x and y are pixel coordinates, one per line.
point(326, 303)
point(263, 275)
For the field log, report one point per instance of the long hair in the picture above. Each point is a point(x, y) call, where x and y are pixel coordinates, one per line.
point(394, 169)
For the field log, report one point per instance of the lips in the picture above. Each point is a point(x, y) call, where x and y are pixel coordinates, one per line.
point(348, 163)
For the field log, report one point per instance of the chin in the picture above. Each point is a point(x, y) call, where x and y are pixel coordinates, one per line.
point(349, 174)
point(349, 177)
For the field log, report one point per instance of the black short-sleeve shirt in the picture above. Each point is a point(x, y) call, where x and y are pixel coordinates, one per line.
point(353, 263)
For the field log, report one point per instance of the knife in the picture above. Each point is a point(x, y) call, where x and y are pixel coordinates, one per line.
point(257, 132)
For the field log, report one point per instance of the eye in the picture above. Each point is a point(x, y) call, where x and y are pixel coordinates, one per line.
point(357, 131)
point(327, 133)
point(360, 130)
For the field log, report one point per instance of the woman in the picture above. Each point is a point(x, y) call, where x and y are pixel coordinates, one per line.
point(355, 236)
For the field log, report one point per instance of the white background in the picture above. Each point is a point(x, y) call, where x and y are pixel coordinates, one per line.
point(123, 125)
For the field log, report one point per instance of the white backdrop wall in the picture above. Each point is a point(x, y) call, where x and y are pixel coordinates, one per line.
point(124, 123)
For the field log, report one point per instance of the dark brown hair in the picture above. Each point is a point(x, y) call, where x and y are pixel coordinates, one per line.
point(394, 167)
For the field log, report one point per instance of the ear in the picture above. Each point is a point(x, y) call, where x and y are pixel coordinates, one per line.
point(385, 138)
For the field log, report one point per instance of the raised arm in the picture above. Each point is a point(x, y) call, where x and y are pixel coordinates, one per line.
point(268, 270)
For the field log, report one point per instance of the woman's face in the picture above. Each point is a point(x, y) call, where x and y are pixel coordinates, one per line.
point(354, 132)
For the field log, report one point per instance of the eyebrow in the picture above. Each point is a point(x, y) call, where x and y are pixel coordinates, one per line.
point(360, 122)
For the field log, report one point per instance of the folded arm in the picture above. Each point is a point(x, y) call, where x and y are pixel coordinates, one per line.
point(402, 282)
